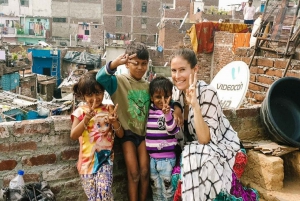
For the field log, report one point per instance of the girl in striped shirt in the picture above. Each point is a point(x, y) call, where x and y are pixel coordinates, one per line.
point(160, 139)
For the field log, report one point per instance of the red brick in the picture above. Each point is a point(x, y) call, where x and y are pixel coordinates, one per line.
point(274, 72)
point(241, 52)
point(29, 177)
point(248, 59)
point(293, 74)
point(32, 127)
point(259, 97)
point(252, 78)
point(40, 160)
point(262, 70)
point(265, 62)
point(280, 63)
point(265, 79)
point(4, 147)
point(7, 165)
point(70, 154)
point(249, 94)
point(254, 69)
point(256, 87)
point(19, 146)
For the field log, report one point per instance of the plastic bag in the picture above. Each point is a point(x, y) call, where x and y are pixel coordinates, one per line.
point(30, 192)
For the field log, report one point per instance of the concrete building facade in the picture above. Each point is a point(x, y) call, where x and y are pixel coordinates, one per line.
point(33, 22)
point(100, 22)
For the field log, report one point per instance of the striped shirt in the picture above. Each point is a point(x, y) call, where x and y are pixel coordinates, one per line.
point(160, 134)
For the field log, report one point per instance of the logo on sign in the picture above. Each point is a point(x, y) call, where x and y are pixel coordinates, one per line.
point(232, 83)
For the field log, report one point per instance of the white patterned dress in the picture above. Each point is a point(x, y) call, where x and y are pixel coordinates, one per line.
point(207, 169)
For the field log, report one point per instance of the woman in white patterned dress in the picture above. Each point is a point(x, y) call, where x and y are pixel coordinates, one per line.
point(210, 143)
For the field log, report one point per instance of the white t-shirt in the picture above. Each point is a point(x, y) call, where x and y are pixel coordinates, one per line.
point(249, 12)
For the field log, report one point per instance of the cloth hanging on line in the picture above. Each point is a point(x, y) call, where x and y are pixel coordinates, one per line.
point(241, 40)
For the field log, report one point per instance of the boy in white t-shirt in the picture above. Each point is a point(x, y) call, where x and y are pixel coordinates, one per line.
point(249, 12)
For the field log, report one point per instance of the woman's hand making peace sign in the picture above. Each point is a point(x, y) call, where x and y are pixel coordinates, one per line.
point(191, 96)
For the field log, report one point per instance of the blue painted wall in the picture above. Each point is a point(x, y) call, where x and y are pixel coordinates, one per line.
point(42, 61)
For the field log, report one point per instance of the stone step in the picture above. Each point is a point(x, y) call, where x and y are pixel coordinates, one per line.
point(275, 178)
point(289, 192)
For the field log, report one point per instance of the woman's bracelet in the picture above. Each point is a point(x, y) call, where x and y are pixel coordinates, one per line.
point(116, 130)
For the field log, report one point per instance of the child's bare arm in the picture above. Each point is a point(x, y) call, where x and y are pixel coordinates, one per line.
point(79, 126)
point(77, 129)
point(113, 120)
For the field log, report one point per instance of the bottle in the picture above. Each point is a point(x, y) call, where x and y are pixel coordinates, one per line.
point(18, 181)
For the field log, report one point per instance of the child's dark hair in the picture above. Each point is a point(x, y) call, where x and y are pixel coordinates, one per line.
point(87, 84)
point(187, 54)
point(161, 84)
point(139, 49)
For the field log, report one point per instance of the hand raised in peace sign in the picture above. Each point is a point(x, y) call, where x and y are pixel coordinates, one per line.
point(166, 107)
point(191, 96)
point(112, 117)
point(123, 59)
point(90, 113)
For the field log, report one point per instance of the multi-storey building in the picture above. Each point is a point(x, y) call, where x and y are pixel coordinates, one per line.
point(26, 21)
point(100, 22)
point(133, 19)
point(93, 22)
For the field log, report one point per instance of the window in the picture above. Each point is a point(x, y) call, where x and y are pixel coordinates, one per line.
point(3, 1)
point(155, 38)
point(143, 38)
point(59, 19)
point(24, 2)
point(144, 23)
point(144, 7)
point(118, 5)
point(144, 20)
point(118, 22)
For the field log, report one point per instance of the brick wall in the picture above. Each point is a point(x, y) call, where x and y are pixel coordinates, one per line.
point(222, 54)
point(44, 150)
point(264, 71)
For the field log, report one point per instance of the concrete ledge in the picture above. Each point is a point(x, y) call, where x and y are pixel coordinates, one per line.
point(292, 164)
point(265, 171)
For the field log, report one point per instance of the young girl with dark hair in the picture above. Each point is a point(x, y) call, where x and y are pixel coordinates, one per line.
point(95, 125)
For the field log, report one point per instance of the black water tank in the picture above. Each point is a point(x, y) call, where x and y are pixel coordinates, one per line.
point(280, 111)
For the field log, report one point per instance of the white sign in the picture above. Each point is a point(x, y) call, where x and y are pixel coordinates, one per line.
point(107, 99)
point(232, 83)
